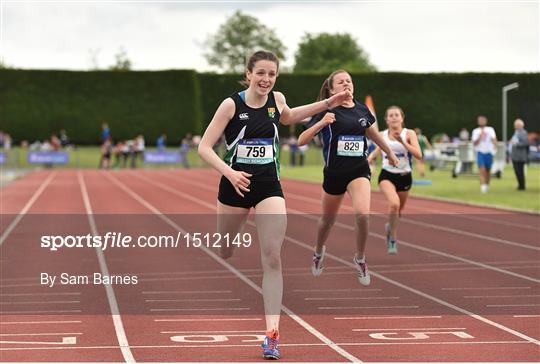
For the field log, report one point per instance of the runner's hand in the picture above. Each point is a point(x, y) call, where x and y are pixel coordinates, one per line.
point(328, 118)
point(393, 160)
point(339, 98)
point(239, 180)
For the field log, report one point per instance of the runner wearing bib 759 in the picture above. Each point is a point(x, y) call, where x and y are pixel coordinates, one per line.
point(250, 172)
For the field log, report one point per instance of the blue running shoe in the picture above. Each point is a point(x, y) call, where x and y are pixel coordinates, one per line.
point(391, 244)
point(270, 348)
point(392, 247)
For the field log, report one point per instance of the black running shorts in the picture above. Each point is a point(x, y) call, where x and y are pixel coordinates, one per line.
point(336, 182)
point(259, 190)
point(402, 182)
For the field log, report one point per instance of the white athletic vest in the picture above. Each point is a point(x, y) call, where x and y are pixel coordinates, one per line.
point(400, 151)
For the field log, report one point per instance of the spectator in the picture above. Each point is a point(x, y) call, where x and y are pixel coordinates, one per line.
point(293, 149)
point(485, 145)
point(7, 142)
point(64, 139)
point(464, 135)
point(106, 150)
point(302, 152)
point(127, 152)
point(424, 144)
point(56, 144)
point(519, 145)
point(184, 150)
point(105, 132)
point(138, 151)
point(161, 142)
point(117, 150)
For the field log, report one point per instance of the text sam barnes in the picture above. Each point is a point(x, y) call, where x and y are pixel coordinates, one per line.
point(67, 279)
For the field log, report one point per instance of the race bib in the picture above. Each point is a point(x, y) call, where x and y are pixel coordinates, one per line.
point(350, 146)
point(255, 151)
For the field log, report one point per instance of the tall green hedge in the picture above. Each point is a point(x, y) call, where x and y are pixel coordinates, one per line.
point(33, 104)
point(434, 102)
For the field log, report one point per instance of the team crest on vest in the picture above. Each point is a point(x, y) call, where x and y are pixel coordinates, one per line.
point(272, 112)
point(362, 122)
point(244, 116)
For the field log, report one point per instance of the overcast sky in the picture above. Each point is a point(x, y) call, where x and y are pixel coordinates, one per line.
point(412, 36)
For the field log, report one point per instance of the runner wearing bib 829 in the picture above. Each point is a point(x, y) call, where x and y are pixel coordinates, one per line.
point(344, 146)
point(342, 130)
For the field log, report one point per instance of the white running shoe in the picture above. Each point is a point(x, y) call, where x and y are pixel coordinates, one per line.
point(317, 263)
point(362, 271)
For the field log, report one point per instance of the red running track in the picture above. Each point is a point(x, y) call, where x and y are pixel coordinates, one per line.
point(464, 286)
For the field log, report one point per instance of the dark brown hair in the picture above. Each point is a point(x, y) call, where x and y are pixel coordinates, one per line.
point(327, 85)
point(255, 57)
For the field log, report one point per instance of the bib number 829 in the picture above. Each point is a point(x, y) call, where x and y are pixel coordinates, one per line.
point(351, 146)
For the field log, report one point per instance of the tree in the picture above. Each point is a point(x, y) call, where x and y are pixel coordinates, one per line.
point(236, 39)
point(122, 61)
point(3, 64)
point(324, 53)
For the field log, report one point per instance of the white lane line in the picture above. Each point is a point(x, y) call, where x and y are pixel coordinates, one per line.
point(361, 307)
point(39, 322)
point(425, 295)
point(39, 294)
point(467, 233)
point(467, 216)
point(348, 298)
point(35, 302)
point(339, 290)
point(45, 334)
point(387, 317)
point(428, 250)
point(505, 296)
point(227, 265)
point(184, 292)
point(209, 332)
point(348, 227)
point(172, 279)
point(115, 312)
point(40, 311)
point(26, 207)
point(207, 319)
point(200, 309)
point(453, 269)
point(480, 288)
point(517, 305)
point(2, 286)
point(199, 300)
point(384, 278)
point(222, 346)
point(526, 316)
point(413, 328)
